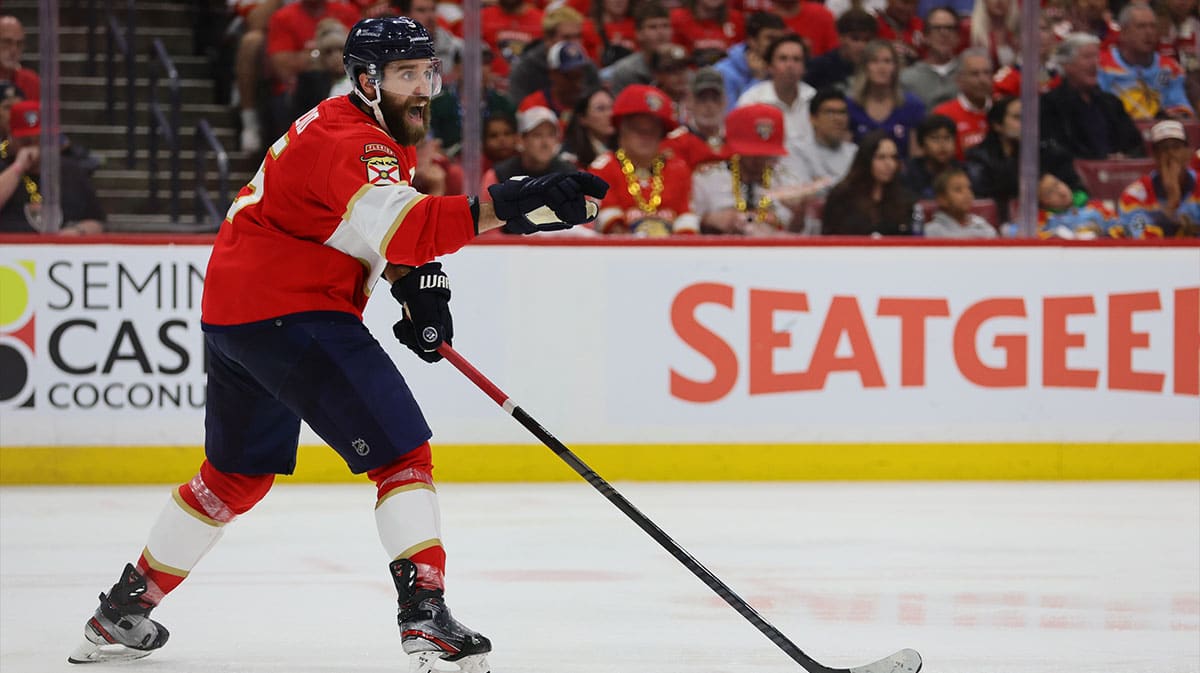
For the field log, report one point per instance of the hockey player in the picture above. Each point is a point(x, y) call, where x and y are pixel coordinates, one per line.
point(330, 211)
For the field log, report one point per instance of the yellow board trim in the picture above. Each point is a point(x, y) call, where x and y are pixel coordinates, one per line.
point(673, 462)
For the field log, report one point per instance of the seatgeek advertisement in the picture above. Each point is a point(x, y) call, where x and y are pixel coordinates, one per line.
point(100, 344)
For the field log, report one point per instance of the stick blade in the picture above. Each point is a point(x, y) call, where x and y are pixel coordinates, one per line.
point(904, 661)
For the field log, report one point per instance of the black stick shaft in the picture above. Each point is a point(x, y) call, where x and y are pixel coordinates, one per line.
point(712, 581)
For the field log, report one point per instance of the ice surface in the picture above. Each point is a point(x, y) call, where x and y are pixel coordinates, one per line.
point(979, 577)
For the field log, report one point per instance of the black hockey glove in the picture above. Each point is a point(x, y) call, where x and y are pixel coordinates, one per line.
point(547, 203)
point(425, 296)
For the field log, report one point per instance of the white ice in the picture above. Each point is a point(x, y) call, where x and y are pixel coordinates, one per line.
point(1037, 577)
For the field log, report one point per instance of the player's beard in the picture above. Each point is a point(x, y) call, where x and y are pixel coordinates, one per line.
point(403, 127)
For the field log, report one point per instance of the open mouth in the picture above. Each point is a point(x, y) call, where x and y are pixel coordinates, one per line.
point(416, 113)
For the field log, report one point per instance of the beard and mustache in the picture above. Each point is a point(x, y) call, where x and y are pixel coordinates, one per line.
point(395, 110)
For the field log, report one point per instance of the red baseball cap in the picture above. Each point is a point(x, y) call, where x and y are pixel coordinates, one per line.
point(648, 100)
point(25, 119)
point(755, 130)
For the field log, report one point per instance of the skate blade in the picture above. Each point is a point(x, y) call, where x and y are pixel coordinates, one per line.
point(426, 662)
point(904, 661)
point(91, 653)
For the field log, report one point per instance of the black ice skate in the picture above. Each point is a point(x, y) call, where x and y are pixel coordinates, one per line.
point(121, 629)
point(427, 630)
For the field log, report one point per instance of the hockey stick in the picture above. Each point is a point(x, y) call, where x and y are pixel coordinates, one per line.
point(904, 661)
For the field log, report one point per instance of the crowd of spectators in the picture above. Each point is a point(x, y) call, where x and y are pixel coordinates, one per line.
point(757, 117)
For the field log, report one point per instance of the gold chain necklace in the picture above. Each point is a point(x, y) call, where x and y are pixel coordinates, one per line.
point(31, 187)
point(764, 201)
point(648, 206)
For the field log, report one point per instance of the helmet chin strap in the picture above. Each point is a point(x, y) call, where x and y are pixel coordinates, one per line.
point(374, 105)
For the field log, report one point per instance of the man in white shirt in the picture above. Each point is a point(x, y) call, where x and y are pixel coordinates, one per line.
point(786, 90)
point(830, 153)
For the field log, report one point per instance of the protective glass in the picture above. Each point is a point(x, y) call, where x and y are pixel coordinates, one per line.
point(413, 78)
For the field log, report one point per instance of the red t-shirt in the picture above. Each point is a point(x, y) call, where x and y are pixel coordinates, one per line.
point(292, 29)
point(620, 214)
point(695, 35)
point(620, 34)
point(509, 34)
point(971, 124)
point(28, 82)
point(815, 23)
point(911, 34)
point(330, 206)
point(691, 148)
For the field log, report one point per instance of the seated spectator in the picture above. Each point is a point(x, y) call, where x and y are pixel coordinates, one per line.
point(707, 28)
point(445, 110)
point(499, 139)
point(249, 67)
point(12, 45)
point(537, 153)
point(876, 100)
point(1085, 120)
point(831, 152)
point(735, 196)
point(1149, 84)
point(669, 67)
point(785, 88)
point(953, 217)
point(969, 109)
point(639, 172)
point(531, 71)
point(871, 200)
point(653, 30)
point(567, 62)
point(746, 63)
point(995, 28)
point(1165, 202)
point(935, 137)
point(291, 41)
point(590, 132)
point(994, 164)
point(835, 67)
point(1007, 80)
point(508, 27)
point(1179, 38)
point(1063, 213)
point(611, 34)
point(20, 166)
point(326, 75)
point(702, 139)
point(933, 79)
point(1085, 16)
point(961, 8)
point(446, 45)
point(900, 25)
point(811, 21)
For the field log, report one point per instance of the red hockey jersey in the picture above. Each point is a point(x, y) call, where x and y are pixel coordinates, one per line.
point(329, 207)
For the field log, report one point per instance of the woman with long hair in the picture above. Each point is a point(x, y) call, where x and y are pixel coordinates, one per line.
point(871, 200)
point(994, 26)
point(876, 101)
point(611, 34)
point(590, 132)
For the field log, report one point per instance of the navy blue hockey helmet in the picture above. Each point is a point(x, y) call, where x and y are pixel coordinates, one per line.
point(374, 42)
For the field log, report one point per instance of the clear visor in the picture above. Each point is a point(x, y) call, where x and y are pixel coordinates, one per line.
point(413, 78)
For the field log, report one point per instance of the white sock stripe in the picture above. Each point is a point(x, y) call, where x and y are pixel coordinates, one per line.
point(213, 505)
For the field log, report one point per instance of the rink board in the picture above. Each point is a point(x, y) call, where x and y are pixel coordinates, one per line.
point(682, 361)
